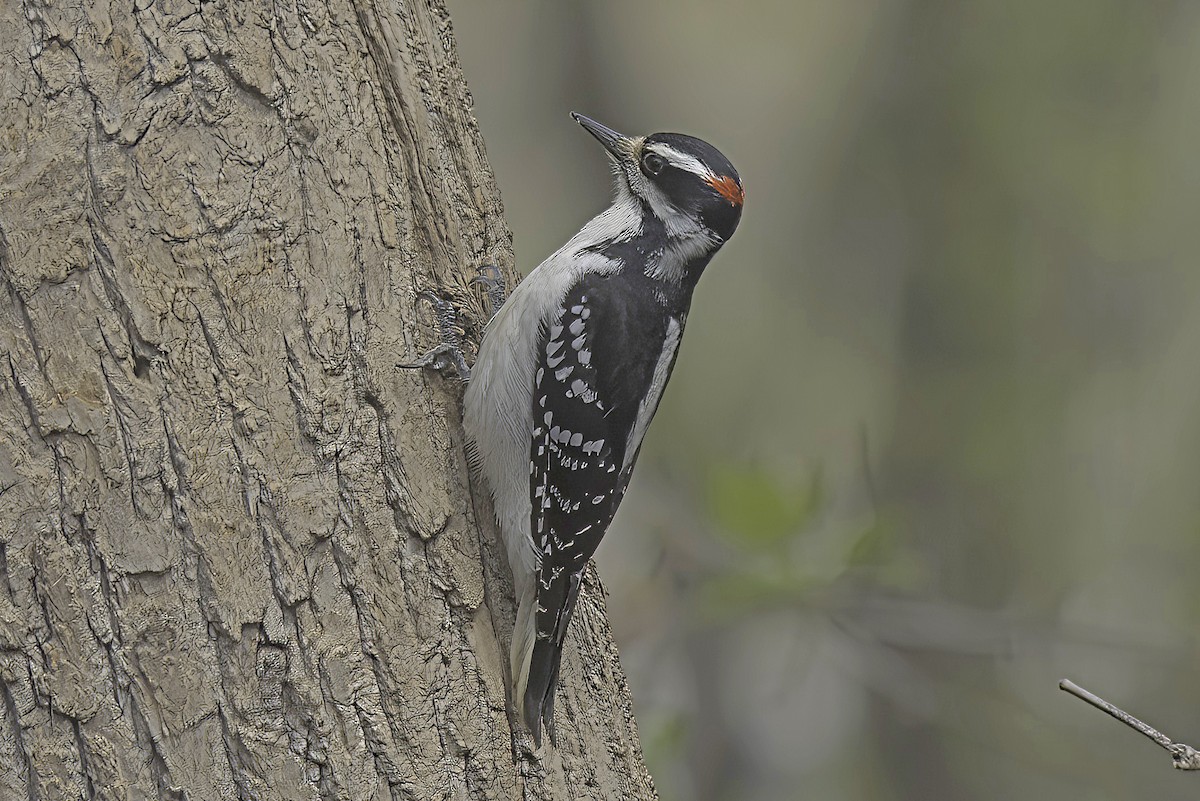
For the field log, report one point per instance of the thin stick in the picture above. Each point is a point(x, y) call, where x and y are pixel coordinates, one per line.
point(1184, 756)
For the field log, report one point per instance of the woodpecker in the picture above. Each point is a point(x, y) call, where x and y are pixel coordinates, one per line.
point(571, 370)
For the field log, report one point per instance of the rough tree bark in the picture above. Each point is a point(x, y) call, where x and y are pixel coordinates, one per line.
point(238, 553)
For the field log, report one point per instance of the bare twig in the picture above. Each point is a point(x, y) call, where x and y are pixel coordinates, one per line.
point(1184, 756)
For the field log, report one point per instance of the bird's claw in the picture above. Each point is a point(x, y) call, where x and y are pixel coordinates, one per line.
point(493, 282)
point(449, 353)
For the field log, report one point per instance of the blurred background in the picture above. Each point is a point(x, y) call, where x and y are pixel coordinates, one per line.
point(933, 440)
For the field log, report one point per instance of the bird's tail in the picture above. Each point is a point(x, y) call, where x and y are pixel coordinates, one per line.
point(523, 638)
point(537, 644)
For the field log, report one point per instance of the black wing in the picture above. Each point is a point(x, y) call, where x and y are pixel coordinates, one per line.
point(596, 362)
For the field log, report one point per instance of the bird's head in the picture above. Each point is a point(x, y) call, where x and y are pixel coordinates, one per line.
point(683, 181)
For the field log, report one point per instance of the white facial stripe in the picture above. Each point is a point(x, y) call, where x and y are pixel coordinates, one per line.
point(684, 161)
point(679, 225)
point(688, 237)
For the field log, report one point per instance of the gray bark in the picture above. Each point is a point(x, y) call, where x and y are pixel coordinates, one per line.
point(238, 553)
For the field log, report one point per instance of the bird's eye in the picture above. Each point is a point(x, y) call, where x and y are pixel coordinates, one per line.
point(652, 163)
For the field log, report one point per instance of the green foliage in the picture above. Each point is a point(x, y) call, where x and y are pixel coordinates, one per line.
point(755, 509)
point(773, 524)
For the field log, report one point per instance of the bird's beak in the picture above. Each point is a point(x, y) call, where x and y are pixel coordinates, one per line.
point(615, 143)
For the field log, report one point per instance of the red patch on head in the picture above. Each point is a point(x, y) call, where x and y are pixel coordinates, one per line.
point(727, 188)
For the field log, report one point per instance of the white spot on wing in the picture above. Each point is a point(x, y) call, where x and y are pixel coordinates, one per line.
point(583, 390)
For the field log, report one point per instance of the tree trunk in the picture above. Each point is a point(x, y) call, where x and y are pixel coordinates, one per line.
point(238, 553)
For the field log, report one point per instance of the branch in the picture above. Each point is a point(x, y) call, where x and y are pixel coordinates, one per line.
point(1184, 756)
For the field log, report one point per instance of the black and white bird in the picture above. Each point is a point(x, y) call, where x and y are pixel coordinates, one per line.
point(570, 373)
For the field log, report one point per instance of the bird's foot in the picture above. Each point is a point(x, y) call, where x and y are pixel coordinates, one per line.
point(448, 355)
point(493, 282)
